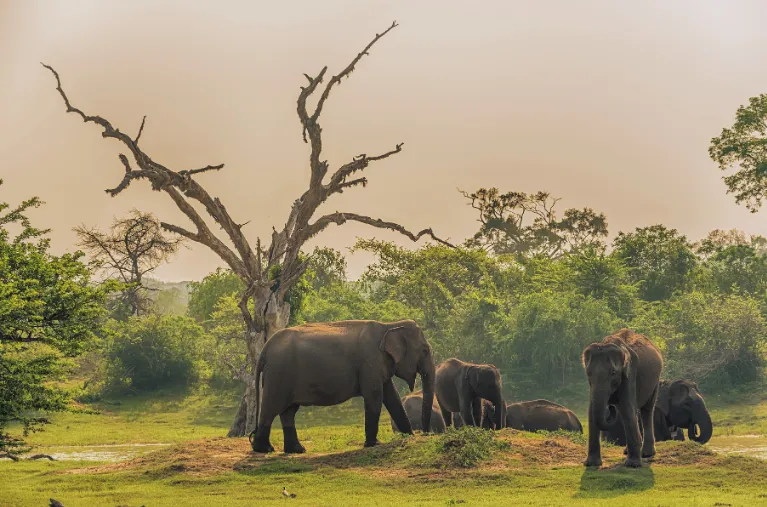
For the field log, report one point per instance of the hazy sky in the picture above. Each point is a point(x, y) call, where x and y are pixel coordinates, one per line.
point(603, 103)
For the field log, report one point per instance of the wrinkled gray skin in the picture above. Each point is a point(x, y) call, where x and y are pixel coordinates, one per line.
point(535, 415)
point(679, 406)
point(413, 404)
point(461, 387)
point(624, 372)
point(327, 363)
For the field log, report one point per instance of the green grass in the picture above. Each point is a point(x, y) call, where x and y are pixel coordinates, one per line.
point(520, 469)
point(396, 473)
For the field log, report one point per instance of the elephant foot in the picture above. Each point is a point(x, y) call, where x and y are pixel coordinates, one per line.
point(264, 448)
point(648, 454)
point(291, 443)
point(633, 463)
point(593, 461)
point(371, 443)
point(294, 448)
point(259, 440)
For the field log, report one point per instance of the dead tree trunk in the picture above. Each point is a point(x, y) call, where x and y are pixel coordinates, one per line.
point(254, 266)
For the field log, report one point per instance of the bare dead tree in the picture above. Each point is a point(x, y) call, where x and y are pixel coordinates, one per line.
point(254, 265)
point(133, 247)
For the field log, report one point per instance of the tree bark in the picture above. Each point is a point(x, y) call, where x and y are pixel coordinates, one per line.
point(275, 318)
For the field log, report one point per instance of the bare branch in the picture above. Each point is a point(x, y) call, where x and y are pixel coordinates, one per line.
point(359, 163)
point(204, 169)
point(340, 218)
point(348, 70)
point(140, 130)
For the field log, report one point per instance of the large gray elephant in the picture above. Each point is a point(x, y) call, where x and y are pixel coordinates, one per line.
point(535, 415)
point(413, 404)
point(461, 387)
point(623, 372)
point(328, 363)
point(679, 406)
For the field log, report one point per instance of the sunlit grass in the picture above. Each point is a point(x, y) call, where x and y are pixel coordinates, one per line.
point(403, 471)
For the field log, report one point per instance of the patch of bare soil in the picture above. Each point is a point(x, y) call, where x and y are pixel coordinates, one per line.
point(218, 455)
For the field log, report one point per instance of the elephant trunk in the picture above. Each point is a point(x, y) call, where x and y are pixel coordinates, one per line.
point(605, 414)
point(427, 379)
point(500, 412)
point(700, 419)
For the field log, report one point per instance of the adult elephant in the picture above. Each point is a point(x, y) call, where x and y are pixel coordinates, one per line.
point(461, 387)
point(680, 406)
point(413, 404)
point(535, 415)
point(327, 363)
point(623, 372)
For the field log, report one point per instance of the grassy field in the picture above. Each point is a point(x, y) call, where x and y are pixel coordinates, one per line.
point(472, 468)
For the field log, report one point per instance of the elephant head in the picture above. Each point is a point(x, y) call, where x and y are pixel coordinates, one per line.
point(485, 382)
point(406, 344)
point(489, 420)
point(607, 367)
point(684, 407)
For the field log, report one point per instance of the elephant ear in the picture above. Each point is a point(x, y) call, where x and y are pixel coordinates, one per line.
point(394, 343)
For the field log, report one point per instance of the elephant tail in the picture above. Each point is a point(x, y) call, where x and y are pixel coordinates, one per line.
point(259, 371)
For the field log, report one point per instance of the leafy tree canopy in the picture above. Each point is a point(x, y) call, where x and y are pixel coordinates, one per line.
point(527, 224)
point(49, 310)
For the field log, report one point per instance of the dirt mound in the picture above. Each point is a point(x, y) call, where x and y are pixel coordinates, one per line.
point(406, 456)
point(200, 457)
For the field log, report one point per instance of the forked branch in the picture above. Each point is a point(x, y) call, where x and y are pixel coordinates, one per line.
point(322, 223)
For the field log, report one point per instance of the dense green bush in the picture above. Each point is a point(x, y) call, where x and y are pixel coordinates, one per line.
point(154, 352)
point(546, 332)
point(717, 340)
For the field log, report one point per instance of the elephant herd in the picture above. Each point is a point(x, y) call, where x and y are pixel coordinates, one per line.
point(326, 364)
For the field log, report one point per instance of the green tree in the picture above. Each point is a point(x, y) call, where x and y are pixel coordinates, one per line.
point(205, 295)
point(743, 147)
point(49, 310)
point(527, 224)
point(327, 266)
point(546, 333)
point(429, 279)
point(716, 340)
point(658, 258)
point(739, 268)
point(604, 277)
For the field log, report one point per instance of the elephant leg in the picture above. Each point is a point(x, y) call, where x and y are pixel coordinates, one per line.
point(648, 416)
point(679, 435)
point(396, 410)
point(260, 440)
point(447, 416)
point(631, 428)
point(290, 436)
point(594, 458)
point(467, 410)
point(373, 403)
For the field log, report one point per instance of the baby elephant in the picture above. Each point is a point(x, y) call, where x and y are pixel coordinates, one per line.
point(413, 403)
point(680, 406)
point(461, 387)
point(536, 415)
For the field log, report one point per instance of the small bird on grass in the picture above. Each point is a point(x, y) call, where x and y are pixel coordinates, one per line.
point(286, 494)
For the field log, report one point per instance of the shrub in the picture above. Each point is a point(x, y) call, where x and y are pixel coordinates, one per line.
point(716, 340)
point(466, 447)
point(547, 332)
point(148, 353)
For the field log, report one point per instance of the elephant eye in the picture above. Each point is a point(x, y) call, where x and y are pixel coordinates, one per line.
point(612, 371)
